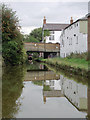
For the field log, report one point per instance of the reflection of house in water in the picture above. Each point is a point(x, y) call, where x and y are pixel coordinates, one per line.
point(51, 88)
point(53, 84)
point(75, 92)
point(89, 103)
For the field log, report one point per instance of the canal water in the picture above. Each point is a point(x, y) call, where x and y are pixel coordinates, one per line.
point(39, 91)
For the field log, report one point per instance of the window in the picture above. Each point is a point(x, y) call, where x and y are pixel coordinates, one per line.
point(51, 83)
point(77, 40)
point(74, 34)
point(71, 41)
point(74, 25)
point(52, 32)
point(51, 37)
point(77, 88)
point(63, 33)
point(62, 42)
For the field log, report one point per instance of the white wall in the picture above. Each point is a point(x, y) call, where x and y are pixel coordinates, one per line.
point(56, 37)
point(67, 35)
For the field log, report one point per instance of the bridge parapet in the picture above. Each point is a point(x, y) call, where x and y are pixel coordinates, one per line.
point(42, 47)
point(41, 75)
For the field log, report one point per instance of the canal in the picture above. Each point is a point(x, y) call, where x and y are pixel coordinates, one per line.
point(39, 91)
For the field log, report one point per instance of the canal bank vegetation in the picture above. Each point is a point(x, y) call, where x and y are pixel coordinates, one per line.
point(13, 52)
point(46, 88)
point(68, 75)
point(38, 82)
point(73, 63)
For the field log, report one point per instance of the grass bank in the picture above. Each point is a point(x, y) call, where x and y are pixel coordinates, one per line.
point(74, 65)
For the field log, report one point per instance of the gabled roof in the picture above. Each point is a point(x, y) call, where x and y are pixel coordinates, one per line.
point(54, 27)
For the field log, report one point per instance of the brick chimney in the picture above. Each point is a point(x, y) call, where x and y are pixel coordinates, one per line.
point(71, 21)
point(44, 20)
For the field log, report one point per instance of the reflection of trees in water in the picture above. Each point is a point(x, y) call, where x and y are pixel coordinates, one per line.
point(77, 78)
point(12, 84)
point(36, 66)
point(88, 116)
point(39, 83)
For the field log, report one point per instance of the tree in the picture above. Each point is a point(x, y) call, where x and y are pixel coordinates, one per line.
point(36, 35)
point(12, 39)
point(30, 39)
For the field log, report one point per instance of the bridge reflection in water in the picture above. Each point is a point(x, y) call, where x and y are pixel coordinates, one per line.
point(41, 75)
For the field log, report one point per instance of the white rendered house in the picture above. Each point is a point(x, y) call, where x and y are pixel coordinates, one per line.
point(55, 31)
point(73, 38)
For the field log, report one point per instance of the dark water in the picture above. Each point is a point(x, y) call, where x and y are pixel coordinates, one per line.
point(39, 91)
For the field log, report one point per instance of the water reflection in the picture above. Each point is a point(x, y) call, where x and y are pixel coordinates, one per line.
point(51, 88)
point(12, 84)
point(35, 66)
point(46, 93)
point(75, 92)
point(88, 95)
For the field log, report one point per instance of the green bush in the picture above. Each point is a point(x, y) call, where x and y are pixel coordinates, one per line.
point(12, 53)
point(12, 40)
point(78, 55)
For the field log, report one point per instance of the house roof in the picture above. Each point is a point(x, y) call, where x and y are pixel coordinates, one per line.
point(81, 19)
point(88, 15)
point(54, 27)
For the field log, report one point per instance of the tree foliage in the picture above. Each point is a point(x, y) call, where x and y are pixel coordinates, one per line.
point(30, 39)
point(36, 35)
point(12, 39)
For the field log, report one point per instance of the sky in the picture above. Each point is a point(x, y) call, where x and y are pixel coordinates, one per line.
point(31, 12)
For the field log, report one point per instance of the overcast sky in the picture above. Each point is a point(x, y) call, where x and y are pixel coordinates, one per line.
point(56, 11)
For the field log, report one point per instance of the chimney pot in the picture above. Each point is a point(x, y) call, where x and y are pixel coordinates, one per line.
point(44, 20)
point(71, 21)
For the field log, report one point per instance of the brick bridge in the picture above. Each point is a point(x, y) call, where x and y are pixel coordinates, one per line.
point(45, 48)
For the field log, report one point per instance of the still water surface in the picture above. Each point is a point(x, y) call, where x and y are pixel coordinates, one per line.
point(36, 91)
